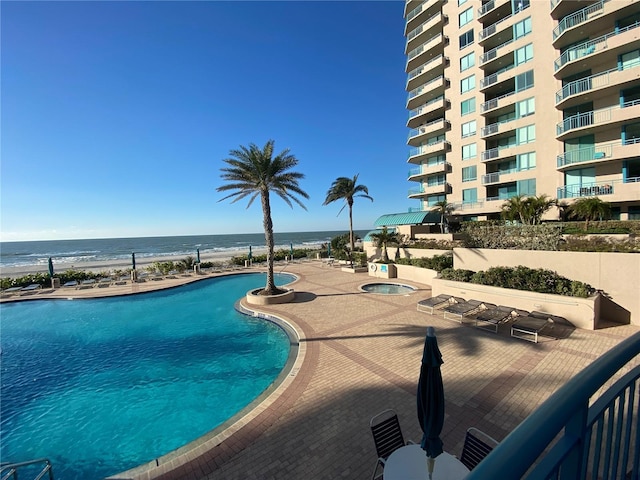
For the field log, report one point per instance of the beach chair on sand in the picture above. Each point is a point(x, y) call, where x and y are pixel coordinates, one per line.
point(458, 311)
point(429, 305)
point(531, 326)
point(492, 318)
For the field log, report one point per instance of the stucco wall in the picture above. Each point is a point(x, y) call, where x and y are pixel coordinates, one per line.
point(616, 274)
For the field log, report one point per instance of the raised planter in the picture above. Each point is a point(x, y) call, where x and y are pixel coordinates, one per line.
point(382, 270)
point(253, 298)
point(354, 269)
point(581, 312)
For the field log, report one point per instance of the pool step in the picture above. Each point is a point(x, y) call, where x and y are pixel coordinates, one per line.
point(10, 470)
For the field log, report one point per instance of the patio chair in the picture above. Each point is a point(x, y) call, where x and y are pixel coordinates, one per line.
point(492, 318)
point(11, 291)
point(31, 288)
point(430, 305)
point(70, 283)
point(531, 326)
point(90, 283)
point(104, 282)
point(387, 436)
point(458, 311)
point(477, 445)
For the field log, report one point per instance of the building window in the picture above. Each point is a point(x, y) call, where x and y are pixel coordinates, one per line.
point(470, 195)
point(526, 107)
point(634, 213)
point(461, 2)
point(526, 161)
point(522, 28)
point(524, 54)
point(436, 160)
point(527, 187)
point(466, 39)
point(467, 62)
point(526, 134)
point(469, 151)
point(629, 60)
point(465, 17)
point(436, 180)
point(469, 128)
point(469, 173)
point(468, 106)
point(467, 84)
point(524, 81)
point(433, 199)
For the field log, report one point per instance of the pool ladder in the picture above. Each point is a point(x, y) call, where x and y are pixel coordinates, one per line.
point(10, 470)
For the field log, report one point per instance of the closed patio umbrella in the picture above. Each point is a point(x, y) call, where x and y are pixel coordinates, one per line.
point(291, 249)
point(50, 267)
point(250, 256)
point(430, 398)
point(133, 261)
point(198, 255)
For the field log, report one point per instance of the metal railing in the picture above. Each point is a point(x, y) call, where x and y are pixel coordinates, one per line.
point(416, 11)
point(587, 48)
point(495, 176)
point(593, 189)
point(568, 437)
point(422, 88)
point(422, 129)
point(421, 109)
point(493, 53)
point(578, 17)
point(418, 70)
point(595, 152)
point(594, 117)
point(487, 7)
point(10, 470)
point(493, 78)
point(422, 47)
point(422, 149)
point(418, 30)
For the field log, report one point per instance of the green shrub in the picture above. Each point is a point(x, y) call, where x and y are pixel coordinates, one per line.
point(493, 234)
point(457, 275)
point(437, 262)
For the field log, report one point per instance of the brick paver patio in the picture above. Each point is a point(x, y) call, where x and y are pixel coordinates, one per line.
point(360, 353)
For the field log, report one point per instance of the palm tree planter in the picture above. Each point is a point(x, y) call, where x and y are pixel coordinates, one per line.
point(253, 172)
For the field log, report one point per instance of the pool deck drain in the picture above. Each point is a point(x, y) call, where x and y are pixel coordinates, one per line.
point(361, 355)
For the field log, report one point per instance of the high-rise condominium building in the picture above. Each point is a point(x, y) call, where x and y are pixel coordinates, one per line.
point(523, 97)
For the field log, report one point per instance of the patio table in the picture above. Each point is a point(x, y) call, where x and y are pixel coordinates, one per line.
point(410, 463)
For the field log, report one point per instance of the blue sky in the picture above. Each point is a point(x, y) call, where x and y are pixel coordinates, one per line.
point(116, 116)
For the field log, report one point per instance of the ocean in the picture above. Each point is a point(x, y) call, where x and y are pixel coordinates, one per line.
point(90, 251)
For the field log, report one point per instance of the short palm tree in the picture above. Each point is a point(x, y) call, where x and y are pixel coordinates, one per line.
point(590, 208)
point(347, 189)
point(445, 209)
point(253, 171)
point(538, 206)
point(382, 238)
point(515, 208)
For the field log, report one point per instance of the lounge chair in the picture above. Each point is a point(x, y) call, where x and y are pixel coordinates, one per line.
point(71, 283)
point(429, 305)
point(90, 283)
point(104, 282)
point(492, 318)
point(31, 288)
point(11, 291)
point(458, 311)
point(531, 326)
point(387, 436)
point(121, 281)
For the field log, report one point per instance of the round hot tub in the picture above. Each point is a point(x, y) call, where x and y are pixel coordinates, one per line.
point(387, 288)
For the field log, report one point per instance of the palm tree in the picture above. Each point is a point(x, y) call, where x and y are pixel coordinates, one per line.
point(444, 208)
point(381, 239)
point(537, 207)
point(346, 189)
point(590, 208)
point(514, 208)
point(254, 172)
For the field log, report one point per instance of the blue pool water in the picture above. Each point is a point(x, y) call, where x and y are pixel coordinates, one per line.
point(101, 386)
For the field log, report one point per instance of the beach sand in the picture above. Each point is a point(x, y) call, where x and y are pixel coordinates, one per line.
point(124, 264)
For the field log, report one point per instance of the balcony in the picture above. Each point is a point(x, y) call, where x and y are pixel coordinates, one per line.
point(418, 135)
point(589, 121)
point(594, 189)
point(495, 78)
point(612, 80)
point(426, 170)
point(432, 47)
point(417, 154)
point(428, 112)
point(434, 87)
point(425, 30)
point(499, 102)
point(574, 435)
point(505, 176)
point(503, 153)
point(426, 190)
point(612, 43)
point(498, 127)
point(577, 18)
point(599, 153)
point(432, 68)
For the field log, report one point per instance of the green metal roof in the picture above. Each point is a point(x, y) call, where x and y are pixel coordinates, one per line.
point(407, 218)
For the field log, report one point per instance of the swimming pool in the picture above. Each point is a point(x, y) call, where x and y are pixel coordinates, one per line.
point(100, 386)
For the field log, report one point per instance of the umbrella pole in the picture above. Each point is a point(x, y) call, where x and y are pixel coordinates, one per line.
point(431, 462)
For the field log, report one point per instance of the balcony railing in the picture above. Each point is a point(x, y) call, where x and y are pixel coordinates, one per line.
point(422, 88)
point(495, 176)
point(494, 127)
point(493, 53)
point(414, 132)
point(584, 85)
point(422, 47)
point(598, 438)
point(416, 11)
point(593, 189)
point(589, 154)
point(493, 78)
point(487, 7)
point(578, 17)
point(594, 117)
point(419, 29)
point(420, 110)
point(418, 70)
point(494, 102)
point(587, 48)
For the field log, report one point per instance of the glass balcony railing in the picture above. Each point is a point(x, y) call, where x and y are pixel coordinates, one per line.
point(416, 11)
point(422, 149)
point(423, 108)
point(422, 129)
point(420, 28)
point(424, 67)
point(578, 17)
point(423, 47)
point(424, 87)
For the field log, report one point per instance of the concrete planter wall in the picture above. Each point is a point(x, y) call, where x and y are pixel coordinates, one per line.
point(382, 270)
point(581, 312)
point(416, 274)
point(254, 299)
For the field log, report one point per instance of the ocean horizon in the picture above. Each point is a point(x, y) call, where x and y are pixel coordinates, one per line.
point(85, 251)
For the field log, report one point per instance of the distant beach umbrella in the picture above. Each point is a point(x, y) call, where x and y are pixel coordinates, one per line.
point(133, 261)
point(198, 255)
point(250, 256)
point(50, 267)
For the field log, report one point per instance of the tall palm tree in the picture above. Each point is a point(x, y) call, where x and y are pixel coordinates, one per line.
point(445, 209)
point(382, 238)
point(590, 208)
point(253, 171)
point(347, 189)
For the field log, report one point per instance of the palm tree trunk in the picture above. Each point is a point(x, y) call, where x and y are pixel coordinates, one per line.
point(351, 239)
point(270, 287)
point(442, 222)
